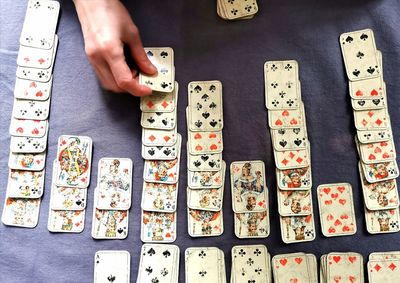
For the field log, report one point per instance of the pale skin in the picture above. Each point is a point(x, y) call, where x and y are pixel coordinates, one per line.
point(107, 27)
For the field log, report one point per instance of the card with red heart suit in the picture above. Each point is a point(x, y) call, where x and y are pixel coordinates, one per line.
point(371, 119)
point(205, 142)
point(36, 57)
point(370, 103)
point(294, 267)
point(372, 88)
point(31, 90)
point(377, 152)
point(28, 128)
point(336, 209)
point(385, 270)
point(344, 267)
point(293, 118)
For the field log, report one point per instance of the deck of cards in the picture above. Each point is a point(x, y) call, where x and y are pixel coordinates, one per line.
point(70, 182)
point(29, 122)
point(296, 267)
point(112, 198)
point(206, 169)
point(112, 266)
point(250, 199)
point(286, 119)
point(161, 147)
point(342, 267)
point(251, 263)
point(384, 267)
point(374, 141)
point(236, 9)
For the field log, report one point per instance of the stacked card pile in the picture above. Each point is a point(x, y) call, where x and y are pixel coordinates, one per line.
point(204, 265)
point(336, 209)
point(206, 169)
point(112, 266)
point(341, 267)
point(112, 199)
point(71, 178)
point(378, 168)
point(296, 267)
point(384, 267)
point(29, 121)
point(237, 9)
point(159, 263)
point(250, 263)
point(250, 199)
point(286, 119)
point(161, 151)
point(163, 59)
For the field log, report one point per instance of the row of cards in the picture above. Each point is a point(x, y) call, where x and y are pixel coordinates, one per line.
point(374, 141)
point(250, 199)
point(206, 168)
point(29, 121)
point(161, 147)
point(70, 182)
point(286, 119)
point(236, 9)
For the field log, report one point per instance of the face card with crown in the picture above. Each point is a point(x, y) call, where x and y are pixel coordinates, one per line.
point(203, 223)
point(206, 179)
point(252, 224)
point(295, 229)
point(382, 221)
point(66, 221)
point(27, 161)
point(378, 172)
point(25, 184)
point(21, 212)
point(294, 179)
point(292, 203)
point(158, 227)
point(159, 197)
point(110, 224)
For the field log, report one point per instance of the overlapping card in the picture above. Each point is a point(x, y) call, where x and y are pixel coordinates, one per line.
point(70, 182)
point(286, 119)
point(161, 146)
point(342, 267)
point(237, 9)
point(112, 266)
point(378, 168)
point(206, 168)
point(295, 267)
point(29, 121)
point(384, 267)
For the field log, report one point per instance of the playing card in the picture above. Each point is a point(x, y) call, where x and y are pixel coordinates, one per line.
point(110, 224)
point(36, 57)
point(74, 155)
point(21, 212)
point(159, 197)
point(200, 143)
point(345, 267)
point(205, 94)
point(248, 186)
point(25, 184)
point(158, 263)
point(203, 265)
point(379, 195)
point(203, 119)
point(238, 9)
point(66, 198)
point(294, 179)
point(377, 152)
point(371, 88)
point(287, 118)
point(375, 135)
point(249, 264)
point(206, 199)
point(289, 139)
point(384, 255)
point(336, 209)
point(206, 179)
point(161, 171)
point(159, 120)
point(382, 221)
point(378, 172)
point(114, 179)
point(383, 270)
point(66, 221)
point(371, 119)
point(204, 162)
point(158, 227)
point(252, 224)
point(369, 104)
point(27, 161)
point(28, 128)
point(152, 137)
point(222, 13)
point(31, 109)
point(297, 228)
point(359, 54)
point(40, 24)
point(31, 90)
point(282, 86)
point(163, 59)
point(112, 266)
point(292, 203)
point(292, 159)
point(160, 101)
point(203, 223)
point(28, 144)
point(291, 268)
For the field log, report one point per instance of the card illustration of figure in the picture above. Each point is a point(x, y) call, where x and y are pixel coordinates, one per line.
point(293, 203)
point(294, 179)
point(159, 197)
point(158, 227)
point(252, 225)
point(297, 228)
point(161, 171)
point(25, 184)
point(110, 224)
point(382, 221)
point(68, 221)
point(203, 223)
point(21, 212)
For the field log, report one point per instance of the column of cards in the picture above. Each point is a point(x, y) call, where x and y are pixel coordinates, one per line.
point(29, 121)
point(71, 178)
point(112, 199)
point(206, 169)
point(161, 151)
point(286, 119)
point(374, 141)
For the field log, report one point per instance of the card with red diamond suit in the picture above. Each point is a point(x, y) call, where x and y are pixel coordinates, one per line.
point(336, 209)
point(291, 159)
point(31, 90)
point(160, 101)
point(371, 119)
point(384, 270)
point(153, 137)
point(345, 267)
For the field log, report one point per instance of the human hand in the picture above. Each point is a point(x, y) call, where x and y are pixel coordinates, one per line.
point(106, 27)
